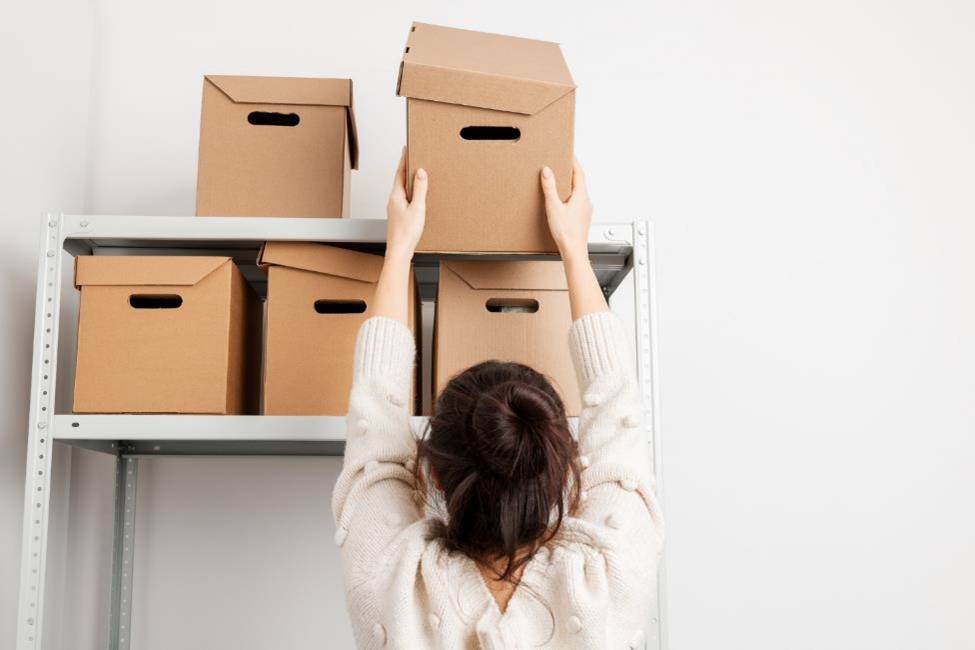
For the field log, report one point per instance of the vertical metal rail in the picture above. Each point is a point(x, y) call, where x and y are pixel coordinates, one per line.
point(644, 287)
point(123, 552)
point(37, 485)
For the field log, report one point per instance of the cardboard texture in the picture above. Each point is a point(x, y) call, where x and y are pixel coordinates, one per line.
point(276, 147)
point(166, 335)
point(311, 331)
point(485, 194)
point(519, 312)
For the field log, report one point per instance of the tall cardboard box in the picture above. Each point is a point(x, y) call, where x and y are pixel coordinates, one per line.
point(484, 114)
point(166, 335)
point(276, 147)
point(317, 297)
point(508, 311)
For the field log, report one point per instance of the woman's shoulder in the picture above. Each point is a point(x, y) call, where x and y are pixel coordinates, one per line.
point(603, 550)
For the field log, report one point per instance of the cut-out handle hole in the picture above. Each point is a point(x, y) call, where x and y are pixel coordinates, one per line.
point(508, 133)
point(155, 301)
point(512, 305)
point(340, 306)
point(264, 118)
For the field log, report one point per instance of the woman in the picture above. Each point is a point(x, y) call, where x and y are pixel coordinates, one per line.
point(543, 541)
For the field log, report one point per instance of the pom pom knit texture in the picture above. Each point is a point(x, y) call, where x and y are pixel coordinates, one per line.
point(595, 584)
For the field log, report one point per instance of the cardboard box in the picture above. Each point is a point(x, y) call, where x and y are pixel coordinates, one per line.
point(509, 311)
point(166, 335)
point(317, 298)
point(462, 86)
point(276, 147)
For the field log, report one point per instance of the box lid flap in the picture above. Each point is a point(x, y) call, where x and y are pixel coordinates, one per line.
point(296, 91)
point(110, 270)
point(517, 275)
point(321, 258)
point(504, 73)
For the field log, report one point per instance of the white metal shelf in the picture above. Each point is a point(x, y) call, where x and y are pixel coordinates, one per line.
point(204, 435)
point(617, 252)
point(279, 428)
point(210, 435)
point(610, 245)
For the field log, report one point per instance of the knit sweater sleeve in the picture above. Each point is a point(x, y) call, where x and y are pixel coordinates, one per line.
point(618, 503)
point(373, 498)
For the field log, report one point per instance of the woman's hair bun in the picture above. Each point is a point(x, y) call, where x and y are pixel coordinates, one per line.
point(500, 451)
point(513, 425)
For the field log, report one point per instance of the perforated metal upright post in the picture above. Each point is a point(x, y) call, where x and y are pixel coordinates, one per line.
point(123, 552)
point(30, 613)
point(645, 313)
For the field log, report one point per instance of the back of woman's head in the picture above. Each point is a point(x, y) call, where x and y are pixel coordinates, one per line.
point(500, 449)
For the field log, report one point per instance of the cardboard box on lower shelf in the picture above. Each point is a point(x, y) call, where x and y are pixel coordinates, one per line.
point(317, 298)
point(166, 335)
point(518, 311)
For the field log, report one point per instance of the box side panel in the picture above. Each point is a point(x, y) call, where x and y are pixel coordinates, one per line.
point(538, 339)
point(308, 365)
point(154, 360)
point(309, 355)
point(485, 195)
point(244, 346)
point(255, 350)
point(346, 181)
point(250, 169)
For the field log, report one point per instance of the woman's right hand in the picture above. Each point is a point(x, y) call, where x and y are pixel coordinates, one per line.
point(568, 221)
point(405, 219)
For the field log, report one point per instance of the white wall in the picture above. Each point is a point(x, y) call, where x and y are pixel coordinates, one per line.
point(809, 169)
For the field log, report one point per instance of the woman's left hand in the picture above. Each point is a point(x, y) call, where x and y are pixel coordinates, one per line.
point(405, 219)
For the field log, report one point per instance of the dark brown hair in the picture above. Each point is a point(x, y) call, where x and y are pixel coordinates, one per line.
point(500, 449)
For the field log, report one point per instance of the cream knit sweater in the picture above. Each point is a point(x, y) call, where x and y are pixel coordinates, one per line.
point(594, 586)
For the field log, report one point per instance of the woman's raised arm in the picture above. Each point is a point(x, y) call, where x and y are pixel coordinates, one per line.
point(404, 225)
point(373, 497)
point(618, 506)
point(569, 223)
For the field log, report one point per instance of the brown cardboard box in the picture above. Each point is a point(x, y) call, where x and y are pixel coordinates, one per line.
point(317, 297)
point(509, 311)
point(485, 194)
point(166, 335)
point(276, 147)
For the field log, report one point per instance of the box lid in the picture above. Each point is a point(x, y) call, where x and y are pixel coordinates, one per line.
point(516, 275)
point(105, 270)
point(320, 258)
point(504, 73)
point(293, 91)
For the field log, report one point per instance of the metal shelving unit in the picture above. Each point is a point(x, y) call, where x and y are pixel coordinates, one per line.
point(616, 251)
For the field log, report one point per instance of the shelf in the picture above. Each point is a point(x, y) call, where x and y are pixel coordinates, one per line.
point(610, 247)
point(611, 250)
point(204, 434)
point(209, 435)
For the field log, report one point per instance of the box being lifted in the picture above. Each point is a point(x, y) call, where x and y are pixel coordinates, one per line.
point(166, 335)
point(519, 312)
point(484, 114)
point(317, 297)
point(276, 147)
